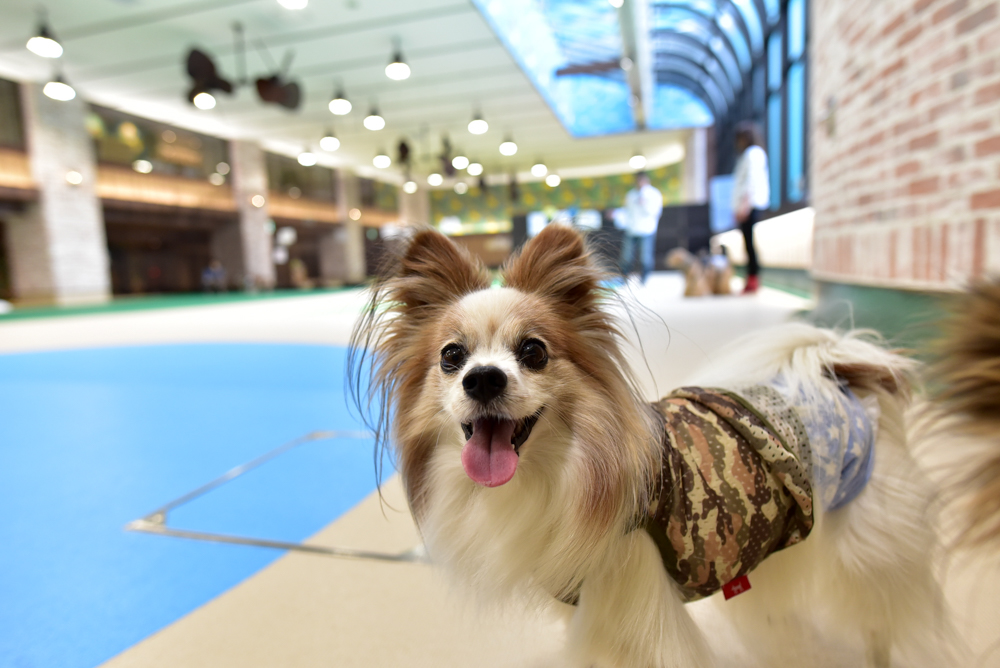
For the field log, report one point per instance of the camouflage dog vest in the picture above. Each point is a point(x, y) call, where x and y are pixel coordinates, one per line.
point(734, 486)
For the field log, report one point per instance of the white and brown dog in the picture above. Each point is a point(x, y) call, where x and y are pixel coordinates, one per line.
point(535, 471)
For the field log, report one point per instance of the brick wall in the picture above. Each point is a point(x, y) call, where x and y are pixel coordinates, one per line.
point(905, 141)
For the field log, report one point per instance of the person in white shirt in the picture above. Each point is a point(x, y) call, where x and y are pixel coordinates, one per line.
point(643, 206)
point(751, 192)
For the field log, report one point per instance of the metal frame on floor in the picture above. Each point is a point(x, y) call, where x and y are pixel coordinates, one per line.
point(156, 521)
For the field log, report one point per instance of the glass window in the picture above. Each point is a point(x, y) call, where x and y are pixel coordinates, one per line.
point(796, 29)
point(749, 13)
point(773, 11)
point(727, 23)
point(774, 61)
point(796, 136)
point(774, 147)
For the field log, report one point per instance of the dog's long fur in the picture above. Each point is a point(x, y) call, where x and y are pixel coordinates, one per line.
point(564, 523)
point(967, 377)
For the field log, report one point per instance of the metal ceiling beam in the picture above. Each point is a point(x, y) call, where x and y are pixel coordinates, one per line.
point(696, 89)
point(683, 48)
point(631, 22)
point(734, 10)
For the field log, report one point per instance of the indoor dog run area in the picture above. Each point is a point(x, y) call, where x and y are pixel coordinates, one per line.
point(113, 415)
point(279, 278)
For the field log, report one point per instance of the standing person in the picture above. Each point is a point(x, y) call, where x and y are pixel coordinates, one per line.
point(643, 206)
point(751, 192)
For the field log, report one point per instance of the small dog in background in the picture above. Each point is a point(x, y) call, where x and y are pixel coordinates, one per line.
point(535, 471)
point(710, 275)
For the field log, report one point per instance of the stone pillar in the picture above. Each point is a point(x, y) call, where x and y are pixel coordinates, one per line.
point(244, 247)
point(415, 209)
point(695, 179)
point(57, 247)
point(349, 240)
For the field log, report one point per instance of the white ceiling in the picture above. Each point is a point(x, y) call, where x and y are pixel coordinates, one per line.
point(129, 55)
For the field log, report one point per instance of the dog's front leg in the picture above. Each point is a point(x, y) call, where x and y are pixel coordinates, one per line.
point(630, 615)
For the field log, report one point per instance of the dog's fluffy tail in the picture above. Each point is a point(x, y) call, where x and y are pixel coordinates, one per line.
point(967, 386)
point(803, 352)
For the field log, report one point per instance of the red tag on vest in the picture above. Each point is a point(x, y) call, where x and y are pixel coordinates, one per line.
point(736, 587)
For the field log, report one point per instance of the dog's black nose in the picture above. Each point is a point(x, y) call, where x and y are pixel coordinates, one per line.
point(484, 383)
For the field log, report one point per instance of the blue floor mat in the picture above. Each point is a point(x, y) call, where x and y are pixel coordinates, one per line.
point(90, 439)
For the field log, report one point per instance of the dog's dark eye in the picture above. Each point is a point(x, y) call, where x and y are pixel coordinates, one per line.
point(532, 354)
point(452, 358)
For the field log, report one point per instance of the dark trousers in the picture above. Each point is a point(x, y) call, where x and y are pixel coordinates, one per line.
point(747, 228)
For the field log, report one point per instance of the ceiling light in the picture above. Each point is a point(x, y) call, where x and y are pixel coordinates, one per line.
point(354, 214)
point(329, 142)
point(381, 161)
point(459, 162)
point(673, 154)
point(74, 178)
point(216, 179)
point(222, 168)
point(59, 90)
point(726, 22)
point(508, 147)
point(637, 161)
point(373, 121)
point(478, 126)
point(397, 70)
point(44, 43)
point(204, 101)
point(435, 179)
point(616, 3)
point(474, 169)
point(142, 166)
point(293, 4)
point(461, 187)
point(339, 104)
point(539, 170)
point(410, 187)
point(258, 201)
point(307, 159)
point(552, 180)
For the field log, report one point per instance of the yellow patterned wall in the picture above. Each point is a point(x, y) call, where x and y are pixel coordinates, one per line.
point(494, 206)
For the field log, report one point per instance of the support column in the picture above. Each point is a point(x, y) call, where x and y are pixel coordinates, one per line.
point(57, 246)
point(696, 167)
point(342, 251)
point(245, 247)
point(415, 209)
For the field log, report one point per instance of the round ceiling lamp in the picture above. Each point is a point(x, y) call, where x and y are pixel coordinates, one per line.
point(478, 126)
point(382, 160)
point(552, 180)
point(461, 188)
point(373, 121)
point(508, 147)
point(410, 187)
point(44, 43)
point(474, 169)
point(307, 159)
point(637, 161)
point(142, 166)
point(204, 101)
point(397, 70)
point(329, 142)
point(339, 104)
point(434, 179)
point(459, 162)
point(538, 170)
point(58, 89)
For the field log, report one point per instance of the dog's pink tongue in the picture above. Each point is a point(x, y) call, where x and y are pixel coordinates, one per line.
point(488, 457)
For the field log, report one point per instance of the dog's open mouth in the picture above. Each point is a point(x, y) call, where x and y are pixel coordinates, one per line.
point(490, 454)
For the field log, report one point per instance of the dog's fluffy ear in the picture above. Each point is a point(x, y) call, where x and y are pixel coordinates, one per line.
point(556, 265)
point(434, 271)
